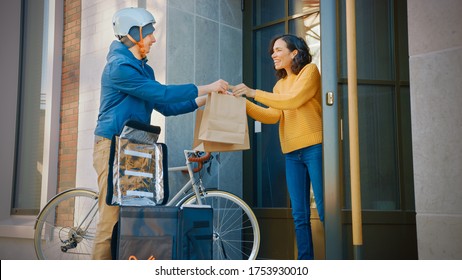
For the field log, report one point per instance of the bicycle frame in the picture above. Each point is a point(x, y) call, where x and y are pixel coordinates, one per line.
point(227, 205)
point(190, 184)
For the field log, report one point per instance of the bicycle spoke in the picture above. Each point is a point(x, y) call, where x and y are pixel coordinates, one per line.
point(236, 233)
point(63, 234)
point(231, 245)
point(67, 225)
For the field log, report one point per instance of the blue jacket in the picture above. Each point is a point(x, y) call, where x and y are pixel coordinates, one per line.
point(129, 90)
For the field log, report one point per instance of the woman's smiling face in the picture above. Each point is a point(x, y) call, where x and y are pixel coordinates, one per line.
point(282, 56)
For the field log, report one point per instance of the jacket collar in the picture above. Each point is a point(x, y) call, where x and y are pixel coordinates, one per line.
point(119, 49)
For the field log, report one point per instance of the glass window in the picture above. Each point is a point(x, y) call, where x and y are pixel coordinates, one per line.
point(403, 48)
point(29, 153)
point(374, 43)
point(308, 27)
point(405, 138)
point(270, 187)
point(303, 7)
point(377, 148)
point(265, 77)
point(383, 105)
point(266, 11)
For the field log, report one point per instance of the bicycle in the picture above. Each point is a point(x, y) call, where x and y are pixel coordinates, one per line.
point(65, 228)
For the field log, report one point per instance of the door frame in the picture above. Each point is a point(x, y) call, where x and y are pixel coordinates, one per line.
point(331, 131)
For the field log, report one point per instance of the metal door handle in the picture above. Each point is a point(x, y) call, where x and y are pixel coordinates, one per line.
point(330, 98)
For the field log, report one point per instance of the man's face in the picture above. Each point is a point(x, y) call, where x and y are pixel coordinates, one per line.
point(148, 41)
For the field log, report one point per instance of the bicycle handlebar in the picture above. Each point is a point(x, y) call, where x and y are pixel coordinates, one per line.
point(199, 160)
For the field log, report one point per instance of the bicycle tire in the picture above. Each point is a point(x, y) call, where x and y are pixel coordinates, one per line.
point(66, 226)
point(236, 233)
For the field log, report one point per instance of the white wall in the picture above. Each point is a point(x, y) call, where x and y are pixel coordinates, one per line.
point(435, 49)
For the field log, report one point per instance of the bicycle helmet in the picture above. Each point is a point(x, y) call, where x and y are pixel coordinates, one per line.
point(127, 18)
point(131, 25)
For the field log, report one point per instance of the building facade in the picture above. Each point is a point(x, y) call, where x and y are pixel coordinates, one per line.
point(52, 63)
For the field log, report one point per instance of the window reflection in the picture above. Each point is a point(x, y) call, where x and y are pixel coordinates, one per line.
point(307, 25)
point(29, 154)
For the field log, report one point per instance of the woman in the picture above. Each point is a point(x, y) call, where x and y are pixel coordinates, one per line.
point(296, 104)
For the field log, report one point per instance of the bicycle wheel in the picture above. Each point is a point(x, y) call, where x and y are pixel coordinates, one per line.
point(236, 234)
point(66, 227)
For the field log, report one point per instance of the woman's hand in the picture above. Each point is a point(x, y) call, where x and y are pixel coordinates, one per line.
point(220, 86)
point(243, 90)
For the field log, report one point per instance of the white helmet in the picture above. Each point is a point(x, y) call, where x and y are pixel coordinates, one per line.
point(126, 18)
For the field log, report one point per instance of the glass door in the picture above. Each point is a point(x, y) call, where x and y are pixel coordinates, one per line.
point(263, 20)
point(384, 124)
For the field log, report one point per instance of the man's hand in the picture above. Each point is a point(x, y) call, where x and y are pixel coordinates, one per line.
point(220, 86)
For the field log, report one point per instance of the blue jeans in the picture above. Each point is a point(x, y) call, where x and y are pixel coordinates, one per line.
point(303, 167)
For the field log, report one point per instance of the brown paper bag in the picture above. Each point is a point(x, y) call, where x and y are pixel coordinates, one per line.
point(224, 119)
point(207, 146)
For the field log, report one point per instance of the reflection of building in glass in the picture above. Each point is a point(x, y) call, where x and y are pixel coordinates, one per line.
point(306, 24)
point(313, 36)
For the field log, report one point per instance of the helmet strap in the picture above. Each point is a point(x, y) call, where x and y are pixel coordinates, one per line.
point(140, 43)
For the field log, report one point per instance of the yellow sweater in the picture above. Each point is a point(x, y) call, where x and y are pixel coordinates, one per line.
point(296, 104)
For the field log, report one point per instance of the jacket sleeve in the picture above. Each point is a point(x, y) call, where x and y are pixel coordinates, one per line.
point(303, 89)
point(127, 79)
point(261, 114)
point(174, 109)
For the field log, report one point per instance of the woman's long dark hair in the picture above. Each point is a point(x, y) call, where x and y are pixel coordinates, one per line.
point(302, 58)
